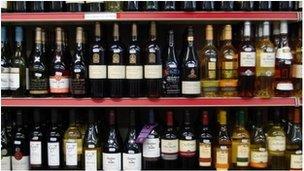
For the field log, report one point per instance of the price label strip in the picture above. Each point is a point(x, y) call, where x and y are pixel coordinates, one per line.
point(91, 16)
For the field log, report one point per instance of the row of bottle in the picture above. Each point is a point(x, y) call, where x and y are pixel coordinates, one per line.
point(115, 6)
point(275, 145)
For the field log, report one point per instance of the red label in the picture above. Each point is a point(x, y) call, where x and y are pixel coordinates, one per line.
point(18, 155)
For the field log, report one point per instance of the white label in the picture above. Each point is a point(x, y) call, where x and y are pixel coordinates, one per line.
point(267, 59)
point(97, 71)
point(6, 163)
point(277, 143)
point(169, 146)
point(187, 145)
point(296, 71)
point(259, 156)
point(59, 84)
point(296, 161)
point(111, 161)
point(134, 72)
point(153, 71)
point(90, 157)
point(151, 147)
point(35, 152)
point(14, 78)
point(71, 153)
point(22, 164)
point(284, 53)
point(4, 78)
point(53, 153)
point(247, 59)
point(222, 156)
point(116, 72)
point(191, 87)
point(205, 154)
point(243, 152)
point(285, 86)
point(131, 161)
point(100, 16)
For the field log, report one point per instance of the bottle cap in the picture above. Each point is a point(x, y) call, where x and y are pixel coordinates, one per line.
point(72, 116)
point(247, 29)
point(54, 115)
point(36, 116)
point(187, 119)
point(283, 27)
point(19, 118)
point(260, 30)
point(58, 35)
point(91, 116)
point(97, 29)
point(79, 35)
point(222, 117)
point(18, 34)
point(38, 35)
point(169, 118)
point(43, 34)
point(204, 118)
point(227, 32)
point(266, 28)
point(153, 29)
point(134, 30)
point(116, 31)
point(276, 28)
point(132, 117)
point(151, 117)
point(209, 32)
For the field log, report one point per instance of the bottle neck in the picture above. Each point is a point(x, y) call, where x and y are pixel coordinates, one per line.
point(209, 42)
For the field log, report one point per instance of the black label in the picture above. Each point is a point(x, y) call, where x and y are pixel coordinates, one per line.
point(39, 86)
point(78, 86)
point(171, 82)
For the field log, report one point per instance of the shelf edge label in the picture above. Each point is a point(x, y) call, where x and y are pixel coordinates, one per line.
point(100, 16)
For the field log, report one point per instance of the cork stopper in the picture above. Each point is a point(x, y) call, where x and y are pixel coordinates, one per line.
point(79, 35)
point(153, 29)
point(134, 30)
point(38, 31)
point(97, 29)
point(209, 32)
point(227, 32)
point(58, 35)
point(222, 117)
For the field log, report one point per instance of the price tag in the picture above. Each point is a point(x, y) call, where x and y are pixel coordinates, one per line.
point(100, 16)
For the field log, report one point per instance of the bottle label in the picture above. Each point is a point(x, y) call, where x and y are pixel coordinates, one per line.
point(277, 143)
point(191, 87)
point(151, 148)
point(242, 158)
point(53, 154)
point(6, 163)
point(116, 72)
point(267, 59)
point(229, 70)
point(3, 6)
point(205, 154)
point(134, 72)
point(59, 83)
point(111, 161)
point(71, 153)
point(171, 80)
point(39, 86)
point(35, 152)
point(284, 86)
point(222, 157)
point(20, 162)
point(296, 161)
point(90, 157)
point(131, 161)
point(78, 85)
point(153, 71)
point(187, 148)
point(4, 78)
point(259, 159)
point(284, 53)
point(247, 59)
point(14, 78)
point(97, 71)
point(212, 70)
point(296, 71)
point(169, 146)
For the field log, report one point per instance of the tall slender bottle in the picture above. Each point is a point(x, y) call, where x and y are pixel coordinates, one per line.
point(297, 66)
point(131, 157)
point(5, 63)
point(6, 146)
point(172, 74)
point(153, 65)
point(116, 67)
point(112, 148)
point(134, 68)
point(265, 63)
point(191, 86)
point(169, 144)
point(17, 75)
point(97, 66)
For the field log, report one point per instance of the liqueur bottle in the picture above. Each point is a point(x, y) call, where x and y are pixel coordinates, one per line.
point(297, 66)
point(6, 146)
point(5, 63)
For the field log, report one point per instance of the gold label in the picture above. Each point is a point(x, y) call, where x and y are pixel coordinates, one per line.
point(152, 58)
point(205, 154)
point(95, 58)
point(222, 156)
point(132, 59)
point(211, 74)
point(115, 58)
point(211, 65)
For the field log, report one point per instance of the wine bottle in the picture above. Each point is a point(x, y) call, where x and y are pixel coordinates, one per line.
point(54, 143)
point(132, 6)
point(172, 73)
point(72, 144)
point(92, 148)
point(19, 6)
point(95, 6)
point(97, 66)
point(20, 157)
point(131, 157)
point(191, 86)
point(37, 6)
point(134, 68)
point(189, 5)
point(207, 6)
point(112, 148)
point(6, 146)
point(265, 5)
point(151, 6)
point(169, 144)
point(17, 75)
point(153, 65)
point(116, 67)
point(75, 6)
point(79, 76)
point(169, 6)
point(38, 68)
point(5, 63)
point(114, 6)
point(57, 6)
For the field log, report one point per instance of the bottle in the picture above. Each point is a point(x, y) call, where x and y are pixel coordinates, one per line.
point(294, 143)
point(283, 63)
point(19, 6)
point(38, 68)
point(95, 6)
point(265, 65)
point(151, 146)
point(187, 144)
point(17, 75)
point(275, 38)
point(72, 144)
point(286, 5)
point(37, 6)
point(111, 155)
point(169, 144)
point(276, 143)
point(134, 68)
point(209, 66)
point(222, 147)
point(37, 146)
point(114, 6)
point(207, 6)
point(116, 67)
point(151, 6)
point(54, 143)
point(258, 148)
point(59, 71)
point(6, 146)
point(190, 69)
point(172, 74)
point(57, 6)
point(153, 65)
point(91, 148)
point(5, 63)
point(247, 5)
point(259, 33)
point(265, 5)
point(205, 142)
point(132, 6)
point(247, 60)
point(189, 5)
point(227, 5)
point(79, 70)
point(20, 157)
point(74, 6)
point(131, 157)
point(169, 6)
point(97, 66)
point(297, 66)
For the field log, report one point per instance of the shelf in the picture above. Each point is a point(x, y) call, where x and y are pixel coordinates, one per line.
point(146, 102)
point(148, 16)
